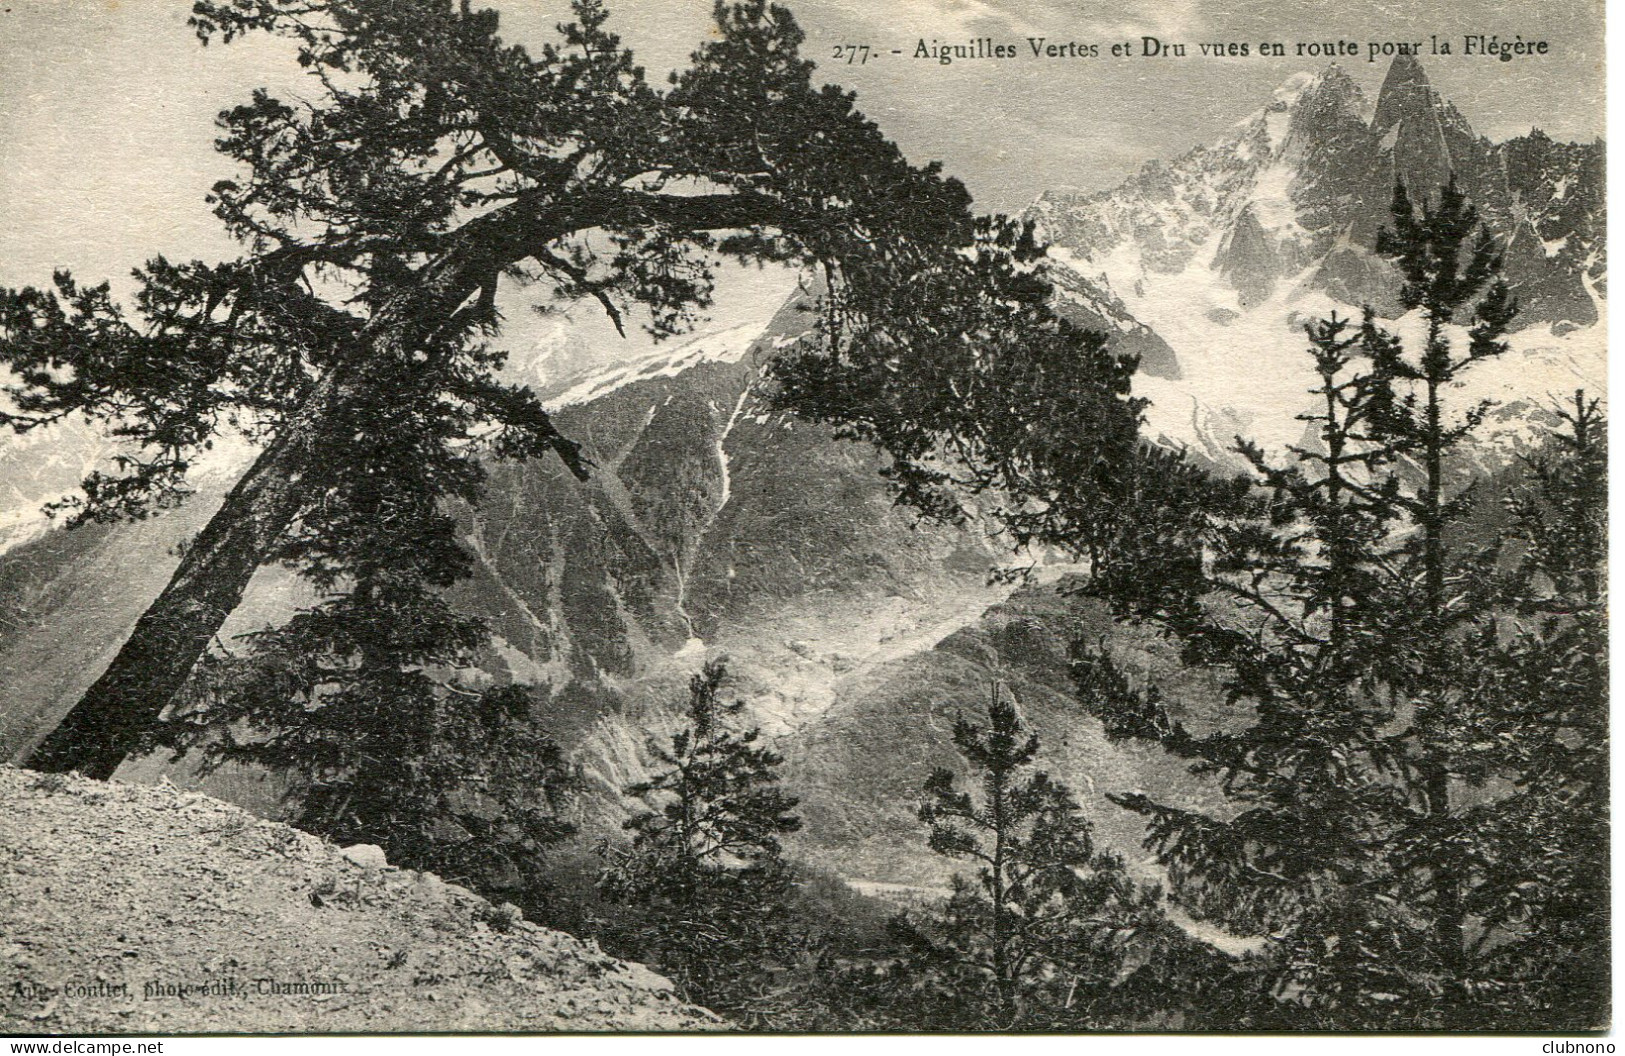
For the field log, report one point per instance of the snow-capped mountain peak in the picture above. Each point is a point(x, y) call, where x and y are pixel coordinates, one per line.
point(1224, 252)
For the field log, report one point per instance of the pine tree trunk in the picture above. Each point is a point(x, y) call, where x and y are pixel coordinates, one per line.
point(170, 637)
point(1002, 977)
point(1448, 925)
point(1449, 918)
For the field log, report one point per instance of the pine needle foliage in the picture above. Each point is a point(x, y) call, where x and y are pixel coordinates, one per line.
point(704, 884)
point(1413, 723)
point(434, 177)
point(1047, 925)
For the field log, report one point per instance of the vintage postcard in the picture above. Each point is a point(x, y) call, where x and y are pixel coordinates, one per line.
point(968, 516)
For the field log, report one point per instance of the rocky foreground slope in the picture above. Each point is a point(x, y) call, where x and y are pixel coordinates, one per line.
point(130, 909)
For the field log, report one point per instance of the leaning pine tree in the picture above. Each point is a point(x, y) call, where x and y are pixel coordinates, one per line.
point(1404, 713)
point(434, 175)
point(369, 702)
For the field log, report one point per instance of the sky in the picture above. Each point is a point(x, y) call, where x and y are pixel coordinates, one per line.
point(106, 106)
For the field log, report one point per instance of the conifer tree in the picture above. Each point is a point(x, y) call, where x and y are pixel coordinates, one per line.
point(1013, 405)
point(1538, 891)
point(1448, 275)
point(369, 704)
point(1041, 934)
point(1372, 834)
point(704, 883)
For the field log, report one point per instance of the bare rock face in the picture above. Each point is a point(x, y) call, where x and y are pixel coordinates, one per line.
point(1247, 261)
point(130, 909)
point(1309, 176)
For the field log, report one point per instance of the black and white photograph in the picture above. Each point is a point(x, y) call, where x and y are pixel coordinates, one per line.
point(645, 517)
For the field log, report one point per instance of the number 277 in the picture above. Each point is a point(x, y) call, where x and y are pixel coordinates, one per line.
point(852, 54)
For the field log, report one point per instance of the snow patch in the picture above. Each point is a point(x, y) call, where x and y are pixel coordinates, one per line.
point(1271, 201)
point(724, 346)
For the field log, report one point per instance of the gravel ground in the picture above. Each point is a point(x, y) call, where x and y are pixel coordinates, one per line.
point(128, 909)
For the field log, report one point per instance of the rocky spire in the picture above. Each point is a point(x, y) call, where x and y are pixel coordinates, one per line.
point(1247, 260)
point(1406, 93)
point(1411, 128)
point(1307, 181)
point(1422, 141)
point(1330, 146)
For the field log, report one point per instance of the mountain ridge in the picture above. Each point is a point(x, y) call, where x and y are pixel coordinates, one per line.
point(1223, 253)
point(1314, 173)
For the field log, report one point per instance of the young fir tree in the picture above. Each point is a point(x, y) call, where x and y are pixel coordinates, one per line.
point(704, 882)
point(1449, 277)
point(364, 700)
point(1371, 835)
point(1042, 934)
point(1538, 885)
